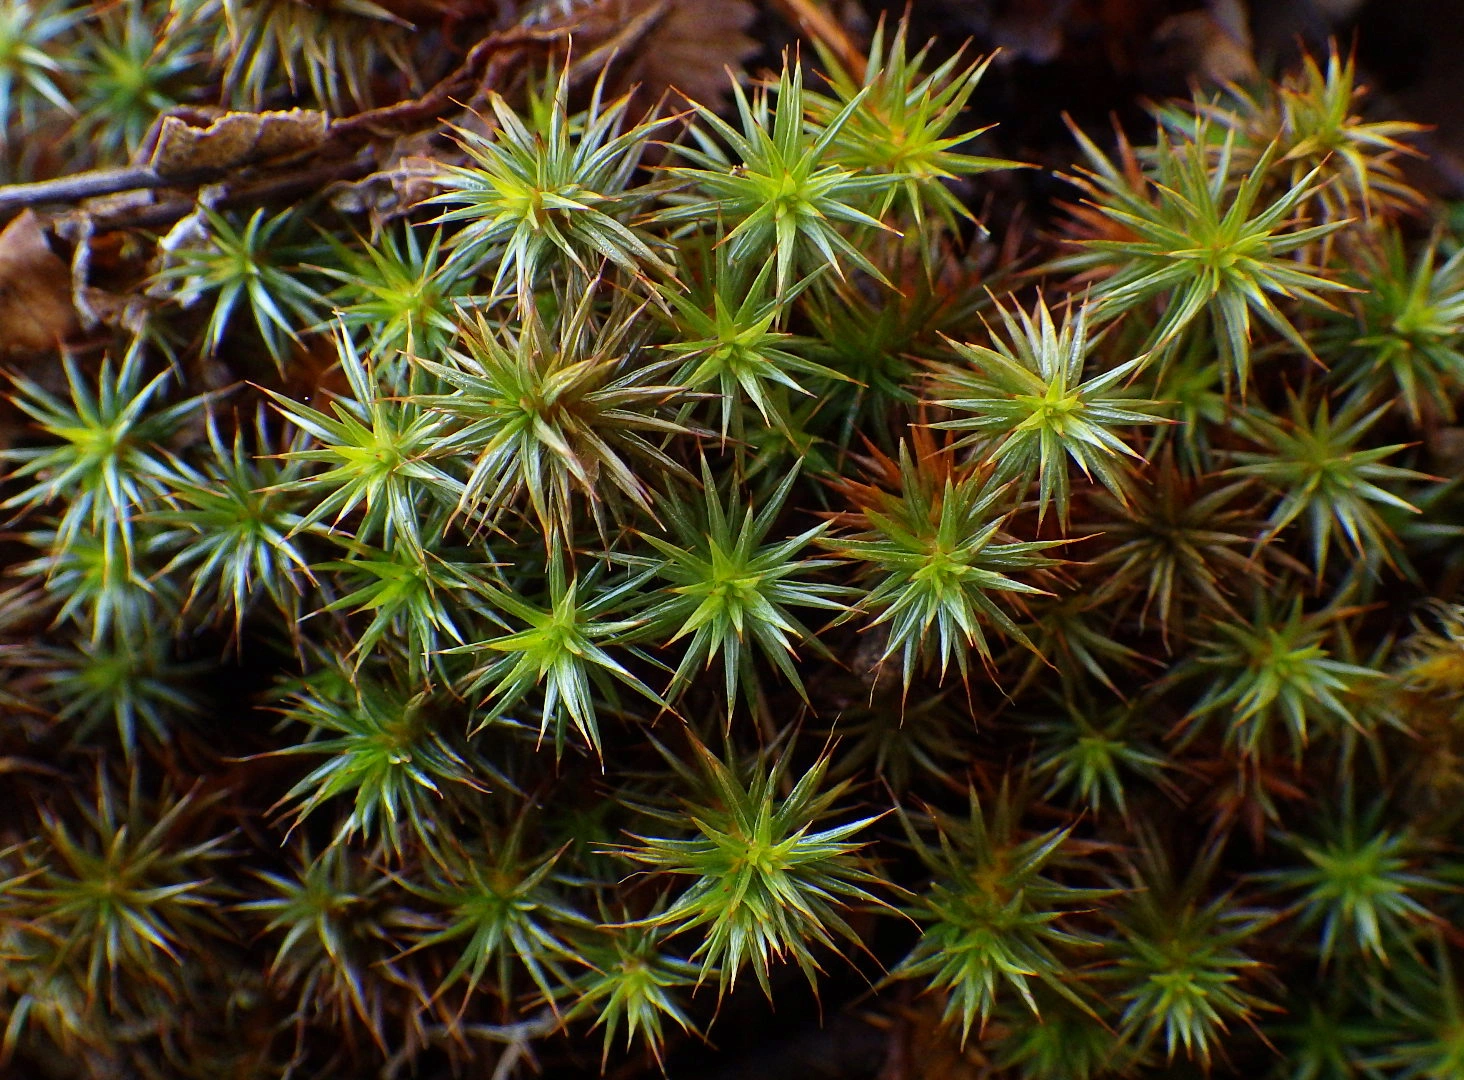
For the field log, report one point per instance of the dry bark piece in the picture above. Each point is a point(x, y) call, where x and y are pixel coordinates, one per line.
point(234, 139)
point(35, 289)
point(409, 175)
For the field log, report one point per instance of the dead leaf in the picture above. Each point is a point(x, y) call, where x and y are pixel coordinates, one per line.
point(1033, 30)
point(691, 49)
point(1213, 46)
point(35, 289)
point(408, 175)
point(1446, 444)
point(922, 1046)
point(660, 45)
point(233, 140)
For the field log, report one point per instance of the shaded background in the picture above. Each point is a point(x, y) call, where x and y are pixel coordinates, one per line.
point(1101, 58)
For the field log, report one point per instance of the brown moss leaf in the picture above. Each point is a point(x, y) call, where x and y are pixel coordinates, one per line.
point(35, 289)
point(691, 48)
point(1213, 46)
point(409, 175)
point(192, 144)
point(661, 45)
point(923, 1047)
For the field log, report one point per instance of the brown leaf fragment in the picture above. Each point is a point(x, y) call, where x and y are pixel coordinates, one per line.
point(922, 1047)
point(408, 176)
point(607, 29)
point(1213, 46)
point(36, 313)
point(1034, 30)
point(661, 45)
point(690, 50)
point(234, 139)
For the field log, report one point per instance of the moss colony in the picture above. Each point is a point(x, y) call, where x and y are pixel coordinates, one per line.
point(504, 572)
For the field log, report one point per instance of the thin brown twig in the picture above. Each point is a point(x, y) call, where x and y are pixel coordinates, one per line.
point(389, 119)
point(263, 188)
point(79, 186)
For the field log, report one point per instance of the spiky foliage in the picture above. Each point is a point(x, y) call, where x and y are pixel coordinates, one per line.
point(561, 655)
point(727, 335)
point(336, 927)
point(1432, 660)
point(255, 263)
point(904, 126)
point(769, 885)
point(928, 531)
point(1360, 883)
point(29, 66)
point(1066, 637)
point(386, 749)
point(1176, 545)
point(330, 48)
point(551, 411)
point(902, 743)
point(20, 606)
point(777, 182)
point(116, 896)
point(1180, 960)
point(529, 195)
point(731, 591)
point(107, 463)
point(398, 299)
point(1198, 242)
point(648, 446)
point(500, 914)
point(1276, 674)
point(1323, 1040)
point(129, 69)
point(1410, 324)
point(1312, 460)
point(1064, 1043)
point(632, 982)
point(99, 588)
point(231, 532)
point(869, 339)
point(1425, 1018)
point(1098, 758)
point(378, 455)
point(411, 599)
point(993, 914)
point(1312, 114)
point(131, 682)
point(1029, 409)
point(1192, 383)
point(1322, 130)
